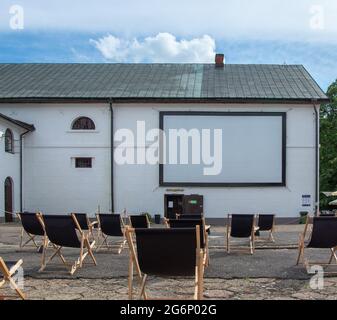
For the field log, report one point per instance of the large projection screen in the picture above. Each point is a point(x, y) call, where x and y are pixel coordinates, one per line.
point(251, 151)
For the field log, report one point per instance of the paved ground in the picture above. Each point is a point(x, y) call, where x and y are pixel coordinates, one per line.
point(269, 274)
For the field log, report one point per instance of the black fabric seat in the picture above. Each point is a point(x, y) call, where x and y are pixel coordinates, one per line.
point(324, 233)
point(190, 223)
point(82, 219)
point(31, 224)
point(242, 225)
point(61, 230)
point(111, 224)
point(166, 252)
point(266, 222)
point(139, 221)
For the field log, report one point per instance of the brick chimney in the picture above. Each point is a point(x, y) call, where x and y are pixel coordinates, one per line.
point(219, 60)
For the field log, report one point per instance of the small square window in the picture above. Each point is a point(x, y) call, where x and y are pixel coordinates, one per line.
point(83, 162)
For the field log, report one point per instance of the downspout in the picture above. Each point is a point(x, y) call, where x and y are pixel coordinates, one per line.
point(112, 156)
point(316, 157)
point(21, 168)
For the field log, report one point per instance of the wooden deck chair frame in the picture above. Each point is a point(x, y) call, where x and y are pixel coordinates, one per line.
point(206, 257)
point(85, 244)
point(91, 226)
point(271, 231)
point(133, 263)
point(251, 248)
point(119, 244)
point(31, 237)
point(7, 277)
point(301, 248)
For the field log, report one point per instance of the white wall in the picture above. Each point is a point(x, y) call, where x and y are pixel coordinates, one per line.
point(10, 166)
point(53, 185)
point(51, 182)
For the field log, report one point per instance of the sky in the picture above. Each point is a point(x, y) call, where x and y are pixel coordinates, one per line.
point(130, 31)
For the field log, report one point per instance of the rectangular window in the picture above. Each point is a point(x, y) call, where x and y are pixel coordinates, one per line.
point(83, 162)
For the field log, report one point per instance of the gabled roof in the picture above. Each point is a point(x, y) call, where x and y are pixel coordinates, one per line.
point(21, 124)
point(145, 82)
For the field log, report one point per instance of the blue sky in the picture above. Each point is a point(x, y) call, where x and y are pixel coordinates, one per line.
point(246, 31)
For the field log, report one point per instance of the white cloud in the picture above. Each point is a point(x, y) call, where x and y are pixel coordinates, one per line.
point(164, 47)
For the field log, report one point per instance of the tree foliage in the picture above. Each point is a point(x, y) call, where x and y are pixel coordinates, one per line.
point(328, 142)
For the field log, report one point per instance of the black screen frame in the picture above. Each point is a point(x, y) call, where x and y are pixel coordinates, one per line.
point(283, 115)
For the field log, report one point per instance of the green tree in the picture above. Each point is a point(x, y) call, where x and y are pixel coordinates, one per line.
point(328, 141)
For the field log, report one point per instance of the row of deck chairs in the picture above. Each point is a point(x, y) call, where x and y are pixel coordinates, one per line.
point(68, 231)
point(248, 226)
point(107, 224)
point(184, 239)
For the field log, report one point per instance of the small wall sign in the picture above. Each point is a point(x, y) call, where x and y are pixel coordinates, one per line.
point(306, 200)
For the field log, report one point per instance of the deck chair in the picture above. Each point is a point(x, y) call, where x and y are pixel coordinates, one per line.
point(139, 221)
point(85, 224)
point(241, 226)
point(323, 236)
point(8, 269)
point(266, 222)
point(31, 227)
point(192, 223)
point(111, 225)
point(61, 232)
point(164, 252)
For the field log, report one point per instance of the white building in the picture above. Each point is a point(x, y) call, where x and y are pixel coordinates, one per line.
point(268, 115)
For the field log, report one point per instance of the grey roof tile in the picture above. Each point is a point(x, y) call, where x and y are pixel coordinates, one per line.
point(146, 81)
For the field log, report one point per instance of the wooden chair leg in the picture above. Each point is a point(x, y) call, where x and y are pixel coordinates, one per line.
point(196, 288)
point(89, 248)
point(142, 287)
point(200, 278)
point(228, 243)
point(122, 246)
point(16, 288)
point(30, 239)
point(57, 252)
point(21, 238)
point(251, 245)
point(333, 255)
point(44, 250)
point(300, 255)
point(130, 279)
point(81, 251)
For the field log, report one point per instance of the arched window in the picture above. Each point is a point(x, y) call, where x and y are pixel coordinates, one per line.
point(83, 123)
point(9, 141)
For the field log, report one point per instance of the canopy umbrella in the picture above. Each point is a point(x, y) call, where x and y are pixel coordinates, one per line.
point(333, 203)
point(330, 194)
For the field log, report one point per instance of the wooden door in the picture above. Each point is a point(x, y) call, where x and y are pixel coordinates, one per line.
point(8, 199)
point(173, 204)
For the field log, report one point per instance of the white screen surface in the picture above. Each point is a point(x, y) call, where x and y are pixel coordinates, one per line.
point(251, 149)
